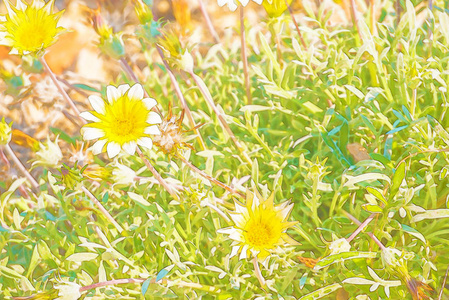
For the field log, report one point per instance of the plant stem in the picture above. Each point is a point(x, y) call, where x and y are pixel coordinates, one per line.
point(106, 214)
point(210, 178)
point(244, 55)
point(21, 167)
point(258, 273)
point(357, 222)
point(141, 280)
point(206, 94)
point(210, 26)
point(61, 90)
point(361, 227)
point(157, 175)
point(182, 99)
point(443, 285)
point(111, 282)
point(355, 19)
point(296, 25)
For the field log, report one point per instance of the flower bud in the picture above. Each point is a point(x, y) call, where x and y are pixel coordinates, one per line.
point(5, 132)
point(48, 155)
point(339, 246)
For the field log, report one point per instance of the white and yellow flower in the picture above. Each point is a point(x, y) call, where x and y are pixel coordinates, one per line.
point(233, 4)
point(260, 226)
point(124, 121)
point(29, 28)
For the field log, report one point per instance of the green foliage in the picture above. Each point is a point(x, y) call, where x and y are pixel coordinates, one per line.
point(385, 92)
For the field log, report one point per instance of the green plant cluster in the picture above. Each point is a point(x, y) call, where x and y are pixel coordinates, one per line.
point(350, 125)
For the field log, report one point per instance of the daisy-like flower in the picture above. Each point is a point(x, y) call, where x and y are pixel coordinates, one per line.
point(232, 5)
point(29, 28)
point(260, 226)
point(124, 121)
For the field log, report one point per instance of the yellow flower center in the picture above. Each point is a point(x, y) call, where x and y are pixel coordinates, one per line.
point(31, 30)
point(263, 230)
point(124, 121)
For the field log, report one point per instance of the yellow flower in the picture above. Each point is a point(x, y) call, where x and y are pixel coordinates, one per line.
point(124, 121)
point(275, 8)
point(259, 226)
point(29, 28)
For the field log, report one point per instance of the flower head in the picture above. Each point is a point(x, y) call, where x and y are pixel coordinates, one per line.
point(124, 121)
point(173, 137)
point(232, 5)
point(30, 28)
point(259, 226)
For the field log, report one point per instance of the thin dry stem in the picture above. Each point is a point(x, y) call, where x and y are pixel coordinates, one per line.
point(258, 273)
point(357, 222)
point(111, 282)
point(443, 285)
point(184, 104)
point(290, 10)
point(355, 18)
point(210, 26)
point(103, 210)
point(157, 175)
point(206, 94)
point(361, 227)
point(245, 55)
point(21, 167)
point(210, 178)
point(61, 90)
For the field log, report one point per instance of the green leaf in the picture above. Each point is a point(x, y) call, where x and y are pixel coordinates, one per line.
point(332, 259)
point(86, 87)
point(372, 208)
point(377, 193)
point(397, 179)
point(322, 292)
point(431, 214)
point(82, 256)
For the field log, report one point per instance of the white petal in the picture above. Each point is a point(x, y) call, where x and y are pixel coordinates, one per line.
point(149, 103)
point(97, 148)
point(97, 104)
point(243, 253)
point(123, 89)
point(227, 230)
point(90, 133)
point(234, 251)
point(154, 129)
point(238, 219)
point(258, 1)
point(154, 118)
point(112, 93)
point(236, 236)
point(221, 2)
point(89, 116)
point(244, 2)
point(145, 142)
point(135, 92)
point(130, 148)
point(113, 149)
